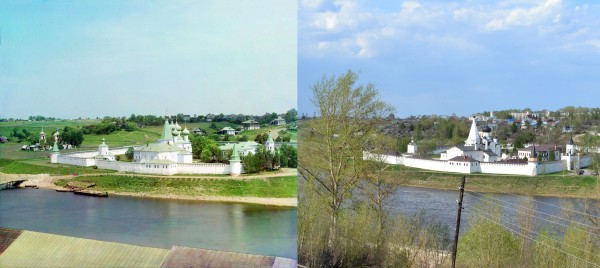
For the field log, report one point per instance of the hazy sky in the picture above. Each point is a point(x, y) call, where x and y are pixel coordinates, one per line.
point(93, 58)
point(444, 57)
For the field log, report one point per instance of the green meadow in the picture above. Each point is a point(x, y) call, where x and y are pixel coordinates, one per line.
point(278, 187)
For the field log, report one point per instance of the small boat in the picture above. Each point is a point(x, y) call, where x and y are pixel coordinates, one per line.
point(65, 190)
point(92, 193)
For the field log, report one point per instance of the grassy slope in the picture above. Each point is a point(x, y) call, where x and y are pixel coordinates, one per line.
point(36, 126)
point(268, 187)
point(551, 184)
point(31, 167)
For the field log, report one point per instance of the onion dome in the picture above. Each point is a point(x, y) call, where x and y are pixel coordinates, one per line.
point(486, 129)
point(176, 132)
point(42, 132)
point(185, 132)
point(177, 126)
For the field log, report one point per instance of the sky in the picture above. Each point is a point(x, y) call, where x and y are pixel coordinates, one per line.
point(71, 59)
point(455, 57)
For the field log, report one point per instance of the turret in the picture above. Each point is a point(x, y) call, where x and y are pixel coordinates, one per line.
point(54, 154)
point(103, 148)
point(270, 144)
point(570, 146)
point(235, 164)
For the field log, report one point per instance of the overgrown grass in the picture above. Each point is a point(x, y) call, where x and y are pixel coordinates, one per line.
point(269, 187)
point(549, 184)
point(18, 167)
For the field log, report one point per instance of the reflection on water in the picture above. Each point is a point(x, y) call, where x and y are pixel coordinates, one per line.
point(154, 222)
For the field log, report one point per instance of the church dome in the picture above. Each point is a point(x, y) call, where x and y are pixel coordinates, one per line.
point(177, 127)
point(486, 129)
point(176, 132)
point(185, 131)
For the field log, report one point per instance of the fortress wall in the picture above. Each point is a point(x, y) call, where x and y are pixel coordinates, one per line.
point(585, 161)
point(389, 159)
point(508, 168)
point(136, 167)
point(86, 154)
point(77, 161)
point(438, 165)
point(204, 168)
point(118, 151)
point(550, 167)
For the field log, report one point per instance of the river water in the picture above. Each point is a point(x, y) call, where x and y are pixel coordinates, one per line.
point(441, 205)
point(160, 223)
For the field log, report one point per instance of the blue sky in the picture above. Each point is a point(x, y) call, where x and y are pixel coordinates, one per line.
point(444, 57)
point(93, 58)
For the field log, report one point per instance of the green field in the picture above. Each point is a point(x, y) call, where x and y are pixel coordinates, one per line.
point(280, 187)
point(118, 138)
point(41, 166)
point(49, 126)
point(546, 185)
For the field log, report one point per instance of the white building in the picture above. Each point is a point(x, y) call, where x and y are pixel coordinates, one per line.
point(480, 146)
point(170, 148)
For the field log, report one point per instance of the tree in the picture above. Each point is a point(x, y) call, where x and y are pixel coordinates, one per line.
point(333, 143)
point(291, 115)
point(378, 188)
point(129, 153)
point(261, 138)
point(72, 136)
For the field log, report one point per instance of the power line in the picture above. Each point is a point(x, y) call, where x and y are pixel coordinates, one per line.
point(548, 204)
point(531, 239)
point(544, 219)
point(535, 233)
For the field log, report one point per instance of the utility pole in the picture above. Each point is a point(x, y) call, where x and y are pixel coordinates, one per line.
point(459, 201)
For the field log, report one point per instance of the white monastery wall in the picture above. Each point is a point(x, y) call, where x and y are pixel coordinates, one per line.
point(550, 167)
point(203, 169)
point(77, 161)
point(508, 168)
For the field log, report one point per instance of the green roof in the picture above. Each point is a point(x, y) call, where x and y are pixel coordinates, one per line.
point(166, 133)
point(270, 139)
point(235, 156)
point(55, 148)
point(33, 249)
point(161, 147)
point(250, 122)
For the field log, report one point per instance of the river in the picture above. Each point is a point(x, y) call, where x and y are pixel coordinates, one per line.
point(160, 223)
point(441, 205)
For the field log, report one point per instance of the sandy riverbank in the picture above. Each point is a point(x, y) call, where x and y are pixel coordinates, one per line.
point(47, 181)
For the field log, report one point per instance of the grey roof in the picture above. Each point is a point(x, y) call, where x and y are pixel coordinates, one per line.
point(462, 158)
point(542, 148)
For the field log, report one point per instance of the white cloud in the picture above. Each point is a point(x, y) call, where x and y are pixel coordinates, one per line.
point(519, 16)
point(348, 15)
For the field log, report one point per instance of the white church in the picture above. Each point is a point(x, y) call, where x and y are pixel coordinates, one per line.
point(481, 153)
